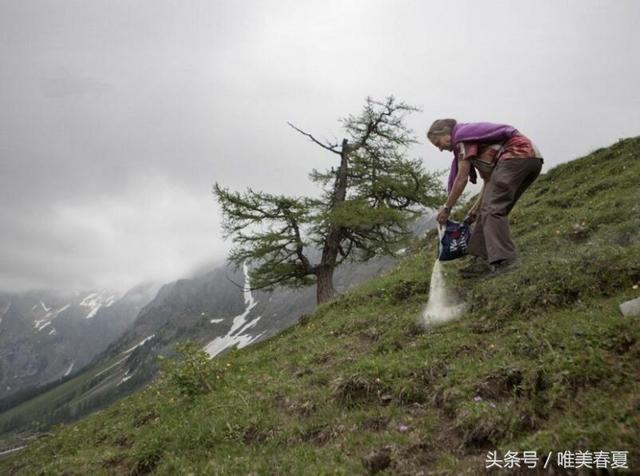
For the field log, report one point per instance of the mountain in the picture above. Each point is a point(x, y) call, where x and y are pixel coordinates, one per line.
point(216, 309)
point(47, 335)
point(542, 361)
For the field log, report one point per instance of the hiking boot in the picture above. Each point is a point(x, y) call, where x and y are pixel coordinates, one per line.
point(504, 266)
point(477, 267)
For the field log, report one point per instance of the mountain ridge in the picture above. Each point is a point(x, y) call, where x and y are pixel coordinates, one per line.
point(209, 308)
point(541, 362)
point(53, 332)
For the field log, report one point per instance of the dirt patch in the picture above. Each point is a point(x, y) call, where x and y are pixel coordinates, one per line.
point(145, 465)
point(484, 325)
point(412, 457)
point(122, 442)
point(294, 407)
point(321, 435)
point(500, 385)
point(357, 390)
point(301, 372)
point(378, 460)
point(446, 399)
point(377, 423)
point(466, 350)
point(255, 434)
point(370, 335)
point(620, 343)
point(414, 329)
point(321, 359)
point(116, 465)
point(483, 435)
point(145, 418)
point(432, 373)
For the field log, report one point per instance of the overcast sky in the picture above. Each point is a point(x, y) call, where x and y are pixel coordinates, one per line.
point(117, 116)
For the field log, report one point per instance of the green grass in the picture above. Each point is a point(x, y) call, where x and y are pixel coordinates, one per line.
point(31, 415)
point(542, 360)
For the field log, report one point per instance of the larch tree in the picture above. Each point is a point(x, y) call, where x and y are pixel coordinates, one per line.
point(369, 199)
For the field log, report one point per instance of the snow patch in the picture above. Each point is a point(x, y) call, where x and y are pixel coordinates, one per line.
point(91, 301)
point(216, 321)
point(12, 450)
point(54, 314)
point(41, 324)
point(125, 378)
point(52, 332)
point(240, 325)
point(111, 366)
point(95, 302)
point(141, 343)
point(46, 309)
point(70, 368)
point(93, 312)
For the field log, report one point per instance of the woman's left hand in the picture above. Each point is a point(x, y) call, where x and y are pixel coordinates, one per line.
point(443, 216)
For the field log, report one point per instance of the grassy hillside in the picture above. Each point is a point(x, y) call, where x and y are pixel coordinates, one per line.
point(96, 386)
point(543, 360)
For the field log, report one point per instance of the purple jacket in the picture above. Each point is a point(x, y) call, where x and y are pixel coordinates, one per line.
point(475, 132)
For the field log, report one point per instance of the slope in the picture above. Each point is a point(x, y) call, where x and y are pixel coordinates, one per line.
point(207, 309)
point(542, 361)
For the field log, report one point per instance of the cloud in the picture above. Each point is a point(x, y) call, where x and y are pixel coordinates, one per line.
point(65, 84)
point(118, 117)
point(156, 230)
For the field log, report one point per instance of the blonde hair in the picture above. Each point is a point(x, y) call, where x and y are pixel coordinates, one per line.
point(441, 127)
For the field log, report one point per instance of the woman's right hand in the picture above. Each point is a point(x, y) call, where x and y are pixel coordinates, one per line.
point(443, 215)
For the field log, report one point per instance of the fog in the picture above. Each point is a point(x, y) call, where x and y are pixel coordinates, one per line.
point(117, 117)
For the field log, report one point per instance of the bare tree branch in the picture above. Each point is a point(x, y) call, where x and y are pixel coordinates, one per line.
point(330, 147)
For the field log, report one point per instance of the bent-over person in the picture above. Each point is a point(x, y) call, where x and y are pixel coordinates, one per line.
point(508, 162)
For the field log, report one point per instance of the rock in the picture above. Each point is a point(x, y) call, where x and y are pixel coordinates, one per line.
point(378, 460)
point(631, 308)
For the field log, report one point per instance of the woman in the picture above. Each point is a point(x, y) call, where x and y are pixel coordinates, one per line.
point(508, 162)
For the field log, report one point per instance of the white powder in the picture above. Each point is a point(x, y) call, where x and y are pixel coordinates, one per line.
point(442, 306)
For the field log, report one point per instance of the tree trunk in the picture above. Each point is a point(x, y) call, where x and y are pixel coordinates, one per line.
point(324, 287)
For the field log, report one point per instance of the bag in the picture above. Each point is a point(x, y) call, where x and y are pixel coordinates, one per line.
point(454, 240)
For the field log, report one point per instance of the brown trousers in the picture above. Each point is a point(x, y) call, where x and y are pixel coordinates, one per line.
point(491, 238)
